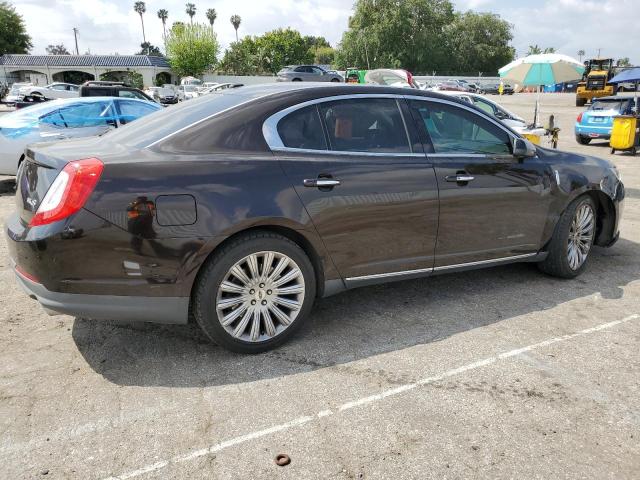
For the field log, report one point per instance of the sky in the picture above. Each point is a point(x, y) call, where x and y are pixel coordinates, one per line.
point(110, 26)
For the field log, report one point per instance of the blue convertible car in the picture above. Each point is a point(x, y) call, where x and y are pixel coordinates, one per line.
point(596, 122)
point(60, 119)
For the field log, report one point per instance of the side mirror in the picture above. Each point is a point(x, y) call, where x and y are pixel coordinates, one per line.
point(500, 115)
point(523, 148)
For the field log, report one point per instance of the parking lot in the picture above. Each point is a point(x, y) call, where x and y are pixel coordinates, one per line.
point(495, 373)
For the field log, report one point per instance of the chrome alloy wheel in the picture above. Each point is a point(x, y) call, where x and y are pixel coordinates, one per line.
point(580, 236)
point(260, 296)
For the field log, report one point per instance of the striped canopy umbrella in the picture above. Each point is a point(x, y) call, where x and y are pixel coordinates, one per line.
point(543, 69)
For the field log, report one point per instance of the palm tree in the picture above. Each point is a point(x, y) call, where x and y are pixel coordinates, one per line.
point(581, 54)
point(191, 11)
point(211, 16)
point(534, 50)
point(140, 8)
point(163, 15)
point(235, 21)
point(549, 50)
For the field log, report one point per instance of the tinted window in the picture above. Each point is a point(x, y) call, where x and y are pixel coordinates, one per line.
point(453, 129)
point(302, 129)
point(131, 94)
point(130, 111)
point(365, 125)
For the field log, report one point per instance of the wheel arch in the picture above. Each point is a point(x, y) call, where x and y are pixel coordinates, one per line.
point(606, 217)
point(301, 238)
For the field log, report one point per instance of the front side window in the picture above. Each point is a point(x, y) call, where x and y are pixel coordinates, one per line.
point(365, 125)
point(302, 129)
point(81, 115)
point(455, 130)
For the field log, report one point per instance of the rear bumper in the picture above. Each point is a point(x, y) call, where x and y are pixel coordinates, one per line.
point(169, 310)
point(593, 131)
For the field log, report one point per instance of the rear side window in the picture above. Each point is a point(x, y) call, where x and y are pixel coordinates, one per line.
point(302, 129)
point(365, 125)
point(130, 111)
point(454, 130)
point(92, 114)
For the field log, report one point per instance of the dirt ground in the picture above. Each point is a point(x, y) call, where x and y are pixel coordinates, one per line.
point(497, 373)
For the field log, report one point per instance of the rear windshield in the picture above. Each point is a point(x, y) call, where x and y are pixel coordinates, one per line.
point(616, 105)
point(169, 120)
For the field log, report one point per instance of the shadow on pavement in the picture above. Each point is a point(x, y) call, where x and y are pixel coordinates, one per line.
point(7, 187)
point(350, 326)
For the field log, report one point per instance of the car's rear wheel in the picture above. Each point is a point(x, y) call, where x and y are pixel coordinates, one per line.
point(583, 140)
point(296, 80)
point(572, 240)
point(254, 293)
point(335, 80)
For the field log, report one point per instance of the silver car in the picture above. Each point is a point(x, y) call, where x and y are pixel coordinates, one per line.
point(307, 73)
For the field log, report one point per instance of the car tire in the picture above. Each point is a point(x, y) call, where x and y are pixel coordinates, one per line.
point(570, 245)
point(240, 298)
point(335, 80)
point(583, 140)
point(581, 102)
point(296, 80)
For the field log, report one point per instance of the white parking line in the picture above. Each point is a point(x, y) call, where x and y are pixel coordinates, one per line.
point(363, 401)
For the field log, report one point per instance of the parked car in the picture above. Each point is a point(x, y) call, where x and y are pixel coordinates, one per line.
point(494, 89)
point(219, 87)
point(112, 89)
point(513, 121)
point(391, 78)
point(187, 92)
point(452, 86)
point(245, 206)
point(596, 121)
point(60, 119)
point(14, 94)
point(170, 94)
point(50, 92)
point(307, 73)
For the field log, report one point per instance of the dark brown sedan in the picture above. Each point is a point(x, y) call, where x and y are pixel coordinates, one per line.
point(243, 207)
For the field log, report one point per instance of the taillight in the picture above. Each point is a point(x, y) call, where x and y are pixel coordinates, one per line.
point(69, 191)
point(580, 118)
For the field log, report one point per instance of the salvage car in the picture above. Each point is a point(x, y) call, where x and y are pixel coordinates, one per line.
point(50, 92)
point(14, 94)
point(510, 119)
point(596, 122)
point(241, 208)
point(60, 119)
point(307, 73)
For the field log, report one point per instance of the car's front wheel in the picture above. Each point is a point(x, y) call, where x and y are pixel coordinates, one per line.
point(254, 293)
point(572, 240)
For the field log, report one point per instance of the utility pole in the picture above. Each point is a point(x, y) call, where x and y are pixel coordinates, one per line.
point(75, 34)
point(599, 52)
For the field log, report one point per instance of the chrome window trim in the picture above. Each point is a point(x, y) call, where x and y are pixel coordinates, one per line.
point(270, 125)
point(348, 153)
point(437, 269)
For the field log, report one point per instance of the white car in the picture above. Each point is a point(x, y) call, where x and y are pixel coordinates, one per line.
point(14, 92)
point(53, 91)
point(187, 92)
point(510, 119)
point(64, 118)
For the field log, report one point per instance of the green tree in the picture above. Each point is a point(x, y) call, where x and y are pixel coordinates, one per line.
point(140, 8)
point(13, 34)
point(478, 42)
point(324, 56)
point(549, 50)
point(623, 62)
point(242, 58)
point(282, 47)
point(57, 50)
point(163, 15)
point(148, 49)
point(191, 11)
point(211, 16)
point(397, 33)
point(534, 50)
point(192, 49)
point(235, 21)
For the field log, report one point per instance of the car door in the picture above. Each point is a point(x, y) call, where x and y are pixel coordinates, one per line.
point(492, 205)
point(365, 182)
point(318, 75)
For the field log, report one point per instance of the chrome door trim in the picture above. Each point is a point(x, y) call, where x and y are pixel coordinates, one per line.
point(391, 274)
point(437, 269)
point(484, 262)
point(346, 152)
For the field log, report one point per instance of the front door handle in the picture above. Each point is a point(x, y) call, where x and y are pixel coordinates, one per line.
point(459, 178)
point(321, 182)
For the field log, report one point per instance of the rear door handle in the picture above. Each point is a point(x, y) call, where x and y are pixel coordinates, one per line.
point(459, 178)
point(321, 182)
